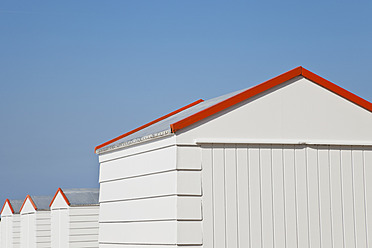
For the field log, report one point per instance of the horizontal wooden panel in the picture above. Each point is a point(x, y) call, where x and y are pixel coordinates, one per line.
point(84, 225)
point(141, 164)
point(154, 232)
point(103, 245)
point(169, 183)
point(91, 244)
point(83, 210)
point(161, 208)
point(84, 231)
point(84, 218)
point(83, 238)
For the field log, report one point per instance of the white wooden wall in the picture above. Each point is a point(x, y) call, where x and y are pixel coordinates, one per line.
point(287, 196)
point(83, 227)
point(35, 230)
point(59, 228)
point(16, 231)
point(150, 198)
point(7, 231)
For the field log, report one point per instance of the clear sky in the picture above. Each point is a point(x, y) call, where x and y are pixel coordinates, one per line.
point(75, 74)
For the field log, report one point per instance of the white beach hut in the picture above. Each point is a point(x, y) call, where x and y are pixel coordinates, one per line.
point(287, 163)
point(75, 218)
point(10, 224)
point(35, 222)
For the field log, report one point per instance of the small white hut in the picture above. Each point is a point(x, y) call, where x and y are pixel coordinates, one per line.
point(10, 224)
point(35, 222)
point(75, 218)
point(287, 163)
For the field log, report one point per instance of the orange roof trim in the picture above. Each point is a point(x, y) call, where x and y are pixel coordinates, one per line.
point(148, 124)
point(298, 71)
point(10, 205)
point(251, 92)
point(63, 195)
point(32, 202)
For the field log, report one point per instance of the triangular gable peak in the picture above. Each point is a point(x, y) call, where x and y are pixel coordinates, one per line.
point(59, 200)
point(7, 209)
point(28, 206)
point(202, 111)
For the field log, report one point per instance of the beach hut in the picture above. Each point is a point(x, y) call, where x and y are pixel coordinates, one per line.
point(74, 214)
point(287, 163)
point(10, 224)
point(35, 222)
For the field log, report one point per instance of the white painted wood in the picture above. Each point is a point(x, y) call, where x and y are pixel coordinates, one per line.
point(6, 210)
point(336, 196)
point(266, 196)
point(83, 226)
point(297, 110)
point(368, 192)
point(348, 197)
point(207, 199)
point(188, 158)
point(313, 196)
point(137, 149)
point(139, 164)
point(28, 208)
point(157, 232)
point(243, 231)
point(219, 197)
point(278, 197)
point(290, 196)
point(255, 197)
point(59, 228)
point(359, 197)
point(59, 202)
point(301, 196)
point(168, 183)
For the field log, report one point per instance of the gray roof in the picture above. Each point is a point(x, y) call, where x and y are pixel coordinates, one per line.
point(16, 205)
point(42, 202)
point(164, 125)
point(80, 197)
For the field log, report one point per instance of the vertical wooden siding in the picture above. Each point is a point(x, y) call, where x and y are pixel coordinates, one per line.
point(16, 231)
point(286, 196)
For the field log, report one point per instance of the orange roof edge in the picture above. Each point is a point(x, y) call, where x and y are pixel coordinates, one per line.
point(148, 124)
point(10, 205)
point(63, 195)
point(298, 71)
point(32, 202)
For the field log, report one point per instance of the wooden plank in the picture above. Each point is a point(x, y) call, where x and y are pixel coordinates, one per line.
point(207, 198)
point(359, 200)
point(278, 197)
point(302, 196)
point(154, 232)
point(219, 197)
point(141, 164)
point(231, 197)
point(255, 197)
point(290, 196)
point(243, 198)
point(161, 208)
point(348, 197)
point(169, 183)
point(336, 196)
point(325, 197)
point(266, 196)
point(368, 192)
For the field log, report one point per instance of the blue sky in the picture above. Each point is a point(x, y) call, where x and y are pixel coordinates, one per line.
point(75, 74)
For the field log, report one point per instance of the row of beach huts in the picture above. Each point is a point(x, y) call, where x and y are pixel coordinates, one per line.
point(284, 164)
point(69, 219)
